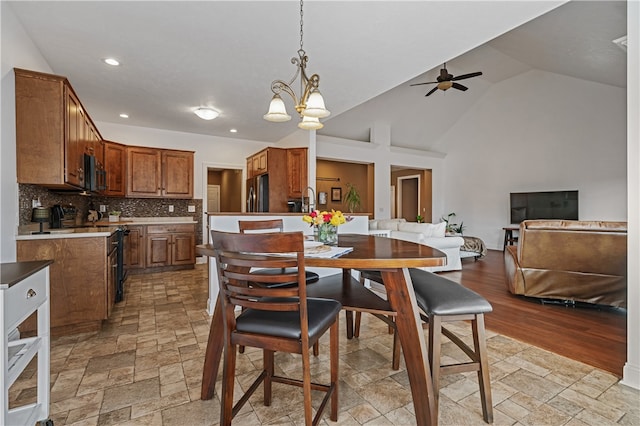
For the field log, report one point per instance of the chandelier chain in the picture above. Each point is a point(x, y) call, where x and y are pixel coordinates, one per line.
point(301, 24)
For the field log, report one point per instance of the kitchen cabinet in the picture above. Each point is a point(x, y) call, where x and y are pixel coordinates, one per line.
point(170, 245)
point(79, 297)
point(296, 172)
point(52, 124)
point(161, 173)
point(115, 162)
point(24, 289)
point(134, 247)
point(258, 163)
point(287, 175)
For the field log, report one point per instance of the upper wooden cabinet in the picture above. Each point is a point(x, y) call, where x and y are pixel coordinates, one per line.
point(258, 163)
point(163, 173)
point(115, 163)
point(296, 171)
point(52, 124)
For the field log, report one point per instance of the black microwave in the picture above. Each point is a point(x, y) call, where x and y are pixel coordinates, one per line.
point(95, 178)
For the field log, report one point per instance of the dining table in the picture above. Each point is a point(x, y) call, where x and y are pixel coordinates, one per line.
point(393, 258)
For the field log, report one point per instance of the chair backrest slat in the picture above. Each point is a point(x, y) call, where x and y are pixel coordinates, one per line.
point(238, 254)
point(261, 225)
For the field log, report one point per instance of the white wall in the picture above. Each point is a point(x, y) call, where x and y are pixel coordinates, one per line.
point(537, 132)
point(17, 51)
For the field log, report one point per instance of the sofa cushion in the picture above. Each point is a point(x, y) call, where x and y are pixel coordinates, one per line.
point(427, 229)
point(373, 224)
point(390, 224)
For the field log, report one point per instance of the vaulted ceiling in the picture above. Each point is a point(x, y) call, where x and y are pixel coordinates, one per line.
point(180, 55)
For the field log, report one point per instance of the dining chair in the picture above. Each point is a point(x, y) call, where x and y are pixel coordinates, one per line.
point(274, 318)
point(275, 225)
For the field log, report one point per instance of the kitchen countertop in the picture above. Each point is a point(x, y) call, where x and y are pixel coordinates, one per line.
point(100, 229)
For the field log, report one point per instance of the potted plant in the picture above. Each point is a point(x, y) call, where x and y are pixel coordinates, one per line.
point(452, 228)
point(114, 216)
point(352, 198)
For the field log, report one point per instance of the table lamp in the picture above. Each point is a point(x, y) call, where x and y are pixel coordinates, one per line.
point(40, 215)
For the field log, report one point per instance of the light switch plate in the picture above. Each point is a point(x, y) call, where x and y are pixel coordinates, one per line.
point(103, 208)
point(191, 209)
point(170, 209)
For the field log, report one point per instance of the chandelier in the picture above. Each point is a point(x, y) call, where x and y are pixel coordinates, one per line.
point(310, 105)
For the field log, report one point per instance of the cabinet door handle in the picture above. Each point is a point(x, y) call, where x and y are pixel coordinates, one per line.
point(31, 293)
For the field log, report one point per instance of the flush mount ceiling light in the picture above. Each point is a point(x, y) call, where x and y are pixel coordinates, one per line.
point(206, 113)
point(310, 105)
point(123, 115)
point(111, 61)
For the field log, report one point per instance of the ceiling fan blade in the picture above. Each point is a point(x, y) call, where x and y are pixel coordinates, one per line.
point(420, 84)
point(431, 91)
point(459, 86)
point(463, 76)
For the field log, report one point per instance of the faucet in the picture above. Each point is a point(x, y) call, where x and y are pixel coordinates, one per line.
point(312, 201)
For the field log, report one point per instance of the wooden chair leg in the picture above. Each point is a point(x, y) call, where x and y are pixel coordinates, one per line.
point(316, 349)
point(480, 348)
point(395, 362)
point(435, 343)
point(228, 374)
point(349, 318)
point(334, 359)
point(306, 385)
point(356, 327)
point(267, 363)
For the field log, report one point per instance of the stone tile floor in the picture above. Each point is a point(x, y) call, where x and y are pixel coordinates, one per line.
point(144, 368)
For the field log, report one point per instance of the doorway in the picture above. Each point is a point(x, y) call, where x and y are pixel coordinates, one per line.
point(408, 197)
point(213, 198)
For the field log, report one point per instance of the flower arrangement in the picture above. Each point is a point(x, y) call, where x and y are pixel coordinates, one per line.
point(316, 218)
point(326, 225)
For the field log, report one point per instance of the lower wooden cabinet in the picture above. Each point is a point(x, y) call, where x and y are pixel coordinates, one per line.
point(78, 281)
point(170, 245)
point(134, 247)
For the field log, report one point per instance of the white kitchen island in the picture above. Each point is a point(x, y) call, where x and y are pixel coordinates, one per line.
point(228, 222)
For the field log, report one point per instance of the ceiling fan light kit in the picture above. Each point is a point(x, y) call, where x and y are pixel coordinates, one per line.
point(310, 106)
point(446, 81)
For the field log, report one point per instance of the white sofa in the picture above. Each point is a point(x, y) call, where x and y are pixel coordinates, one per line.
point(429, 234)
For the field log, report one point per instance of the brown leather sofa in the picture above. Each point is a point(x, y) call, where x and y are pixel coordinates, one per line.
point(581, 261)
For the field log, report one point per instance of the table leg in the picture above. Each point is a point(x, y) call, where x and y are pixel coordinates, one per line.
point(213, 353)
point(409, 328)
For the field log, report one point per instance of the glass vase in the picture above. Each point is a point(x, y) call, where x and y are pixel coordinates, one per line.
point(327, 234)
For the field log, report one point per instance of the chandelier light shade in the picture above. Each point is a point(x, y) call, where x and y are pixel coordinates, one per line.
point(310, 123)
point(277, 110)
point(206, 113)
point(310, 105)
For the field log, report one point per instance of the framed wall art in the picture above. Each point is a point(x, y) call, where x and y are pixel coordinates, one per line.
point(336, 194)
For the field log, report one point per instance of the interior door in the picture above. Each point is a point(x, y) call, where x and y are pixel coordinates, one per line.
point(213, 198)
point(408, 197)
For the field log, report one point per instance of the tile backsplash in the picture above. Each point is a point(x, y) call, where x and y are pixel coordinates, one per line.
point(129, 207)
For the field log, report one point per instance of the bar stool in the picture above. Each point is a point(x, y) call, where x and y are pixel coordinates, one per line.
point(443, 300)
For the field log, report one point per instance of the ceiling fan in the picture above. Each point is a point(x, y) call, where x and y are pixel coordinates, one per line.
point(445, 81)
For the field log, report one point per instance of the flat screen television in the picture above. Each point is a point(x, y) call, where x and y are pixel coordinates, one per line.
point(544, 205)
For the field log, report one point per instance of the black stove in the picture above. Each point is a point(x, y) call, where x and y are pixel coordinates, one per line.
point(121, 273)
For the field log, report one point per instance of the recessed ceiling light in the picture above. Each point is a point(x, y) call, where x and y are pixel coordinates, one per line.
point(206, 113)
point(234, 130)
point(124, 115)
point(112, 61)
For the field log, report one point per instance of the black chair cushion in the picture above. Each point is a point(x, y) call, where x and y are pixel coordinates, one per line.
point(311, 277)
point(321, 313)
point(437, 295)
point(440, 296)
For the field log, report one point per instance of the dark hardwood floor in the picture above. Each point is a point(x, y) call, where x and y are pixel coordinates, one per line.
point(597, 337)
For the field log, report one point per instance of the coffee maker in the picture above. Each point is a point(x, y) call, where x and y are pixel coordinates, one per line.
point(57, 216)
